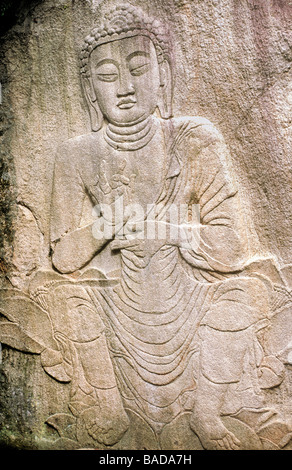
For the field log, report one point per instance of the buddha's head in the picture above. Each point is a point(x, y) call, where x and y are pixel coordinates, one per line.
point(126, 68)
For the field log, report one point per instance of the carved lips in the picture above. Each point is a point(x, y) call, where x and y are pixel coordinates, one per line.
point(126, 103)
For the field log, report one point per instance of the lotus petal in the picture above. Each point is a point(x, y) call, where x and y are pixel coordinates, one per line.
point(12, 335)
point(31, 318)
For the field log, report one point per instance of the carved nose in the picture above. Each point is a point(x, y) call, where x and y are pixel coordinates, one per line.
point(126, 87)
point(125, 91)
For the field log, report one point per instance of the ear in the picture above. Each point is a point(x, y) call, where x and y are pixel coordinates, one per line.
point(166, 89)
point(96, 117)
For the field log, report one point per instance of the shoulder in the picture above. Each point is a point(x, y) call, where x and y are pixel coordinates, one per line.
point(197, 139)
point(195, 128)
point(77, 149)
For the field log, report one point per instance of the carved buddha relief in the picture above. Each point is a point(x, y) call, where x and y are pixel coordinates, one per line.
point(174, 331)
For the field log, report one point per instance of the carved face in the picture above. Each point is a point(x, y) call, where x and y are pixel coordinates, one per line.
point(126, 79)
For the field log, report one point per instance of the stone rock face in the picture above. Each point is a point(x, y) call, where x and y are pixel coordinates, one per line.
point(146, 249)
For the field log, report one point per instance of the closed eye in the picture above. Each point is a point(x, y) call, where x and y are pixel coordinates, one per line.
point(140, 70)
point(107, 77)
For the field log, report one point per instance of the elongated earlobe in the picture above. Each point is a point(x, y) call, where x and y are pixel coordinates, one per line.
point(96, 117)
point(166, 87)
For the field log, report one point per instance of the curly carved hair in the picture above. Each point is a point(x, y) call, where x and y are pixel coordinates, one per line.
point(125, 21)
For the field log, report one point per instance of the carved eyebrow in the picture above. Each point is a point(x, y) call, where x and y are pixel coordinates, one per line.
point(107, 61)
point(138, 53)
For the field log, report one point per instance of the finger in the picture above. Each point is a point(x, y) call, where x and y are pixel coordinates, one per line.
point(118, 244)
point(220, 444)
point(226, 443)
point(233, 441)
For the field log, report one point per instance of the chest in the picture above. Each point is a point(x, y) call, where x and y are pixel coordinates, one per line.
point(137, 175)
point(143, 176)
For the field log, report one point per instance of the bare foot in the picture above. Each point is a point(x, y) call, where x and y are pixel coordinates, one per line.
point(105, 426)
point(212, 432)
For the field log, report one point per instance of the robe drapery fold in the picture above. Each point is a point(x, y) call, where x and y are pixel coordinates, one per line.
point(154, 313)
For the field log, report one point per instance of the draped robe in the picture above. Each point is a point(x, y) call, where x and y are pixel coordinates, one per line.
point(152, 316)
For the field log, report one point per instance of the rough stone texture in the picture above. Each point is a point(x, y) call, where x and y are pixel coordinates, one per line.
point(216, 368)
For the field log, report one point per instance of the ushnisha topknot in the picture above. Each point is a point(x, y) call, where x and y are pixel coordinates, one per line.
point(126, 21)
